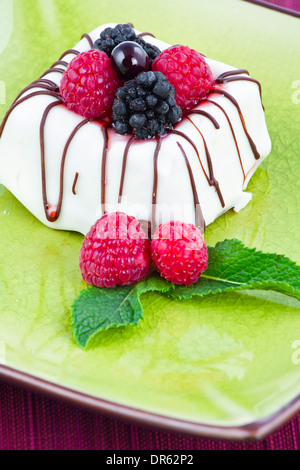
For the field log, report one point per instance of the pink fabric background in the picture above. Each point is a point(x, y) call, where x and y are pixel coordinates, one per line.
point(29, 421)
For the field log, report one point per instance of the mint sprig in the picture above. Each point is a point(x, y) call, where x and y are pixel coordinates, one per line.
point(232, 266)
point(97, 309)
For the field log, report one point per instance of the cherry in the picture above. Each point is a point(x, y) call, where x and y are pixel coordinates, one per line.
point(129, 59)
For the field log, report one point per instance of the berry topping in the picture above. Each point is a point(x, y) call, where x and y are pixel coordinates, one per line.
point(179, 252)
point(129, 59)
point(89, 85)
point(188, 72)
point(146, 106)
point(116, 251)
point(111, 37)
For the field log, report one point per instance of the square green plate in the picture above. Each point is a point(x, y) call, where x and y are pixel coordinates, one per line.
point(226, 366)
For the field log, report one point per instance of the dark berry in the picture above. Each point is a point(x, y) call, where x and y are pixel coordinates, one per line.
point(111, 37)
point(146, 106)
point(151, 101)
point(150, 49)
point(120, 107)
point(121, 127)
point(162, 87)
point(138, 120)
point(138, 105)
point(129, 59)
point(121, 93)
point(174, 114)
point(163, 107)
point(147, 80)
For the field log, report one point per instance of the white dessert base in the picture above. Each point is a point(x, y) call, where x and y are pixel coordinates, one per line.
point(20, 158)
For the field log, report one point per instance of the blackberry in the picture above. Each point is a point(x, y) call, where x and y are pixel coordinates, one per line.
point(150, 49)
point(111, 37)
point(146, 106)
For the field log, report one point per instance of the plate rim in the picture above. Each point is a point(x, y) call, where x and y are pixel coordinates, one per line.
point(256, 430)
point(274, 7)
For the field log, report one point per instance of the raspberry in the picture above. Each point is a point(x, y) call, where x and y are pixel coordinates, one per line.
point(179, 252)
point(116, 251)
point(89, 85)
point(188, 72)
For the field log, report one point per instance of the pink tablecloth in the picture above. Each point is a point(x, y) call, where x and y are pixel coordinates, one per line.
point(32, 421)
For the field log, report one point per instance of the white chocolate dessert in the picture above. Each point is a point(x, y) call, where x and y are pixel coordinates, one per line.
point(68, 170)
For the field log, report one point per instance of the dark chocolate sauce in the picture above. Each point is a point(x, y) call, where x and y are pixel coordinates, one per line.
point(104, 129)
point(75, 183)
point(186, 137)
point(89, 39)
point(59, 62)
point(235, 103)
point(199, 219)
point(145, 34)
point(230, 73)
point(51, 213)
point(27, 97)
point(69, 51)
point(62, 166)
point(146, 226)
point(38, 84)
point(51, 83)
point(155, 180)
point(232, 132)
point(53, 70)
point(230, 76)
point(211, 177)
point(125, 156)
point(206, 114)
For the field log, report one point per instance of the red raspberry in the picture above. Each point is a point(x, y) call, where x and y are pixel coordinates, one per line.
point(188, 72)
point(179, 252)
point(116, 251)
point(89, 85)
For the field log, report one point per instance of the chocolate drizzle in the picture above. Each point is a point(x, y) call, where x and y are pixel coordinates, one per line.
point(155, 179)
point(125, 156)
point(230, 76)
point(232, 132)
point(62, 167)
point(141, 35)
point(51, 213)
point(25, 98)
point(210, 178)
point(53, 70)
point(89, 39)
point(49, 88)
point(199, 219)
point(59, 62)
point(206, 114)
point(69, 51)
point(104, 129)
point(235, 103)
point(75, 183)
point(41, 83)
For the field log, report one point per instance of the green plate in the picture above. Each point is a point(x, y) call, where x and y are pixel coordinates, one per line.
point(227, 365)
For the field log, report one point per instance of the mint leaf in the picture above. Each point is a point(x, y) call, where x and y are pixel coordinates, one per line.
point(233, 266)
point(97, 309)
